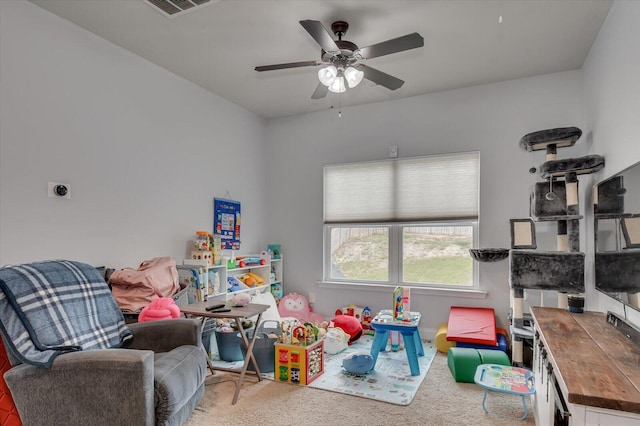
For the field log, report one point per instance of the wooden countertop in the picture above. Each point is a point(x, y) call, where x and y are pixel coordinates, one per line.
point(594, 363)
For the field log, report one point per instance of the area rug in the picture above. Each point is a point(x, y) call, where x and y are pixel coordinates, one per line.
point(391, 381)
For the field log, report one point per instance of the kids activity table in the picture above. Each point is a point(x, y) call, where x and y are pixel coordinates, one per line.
point(507, 379)
point(383, 323)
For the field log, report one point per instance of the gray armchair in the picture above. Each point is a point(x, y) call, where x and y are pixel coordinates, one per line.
point(158, 379)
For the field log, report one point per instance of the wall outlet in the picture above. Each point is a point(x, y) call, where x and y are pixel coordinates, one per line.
point(59, 190)
point(393, 152)
point(627, 329)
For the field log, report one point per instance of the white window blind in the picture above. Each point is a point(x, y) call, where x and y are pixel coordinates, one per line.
point(443, 187)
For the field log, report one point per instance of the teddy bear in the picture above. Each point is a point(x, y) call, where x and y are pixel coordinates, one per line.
point(297, 306)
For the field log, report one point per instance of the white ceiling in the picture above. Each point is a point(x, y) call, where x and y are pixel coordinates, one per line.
point(218, 46)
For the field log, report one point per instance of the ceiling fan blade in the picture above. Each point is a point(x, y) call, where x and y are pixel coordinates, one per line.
point(381, 78)
point(289, 65)
point(407, 42)
point(320, 35)
point(320, 92)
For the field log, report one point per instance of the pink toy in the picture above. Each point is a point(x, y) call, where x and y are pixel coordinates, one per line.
point(297, 306)
point(240, 299)
point(160, 308)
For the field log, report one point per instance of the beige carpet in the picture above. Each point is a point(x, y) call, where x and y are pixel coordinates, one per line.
point(440, 401)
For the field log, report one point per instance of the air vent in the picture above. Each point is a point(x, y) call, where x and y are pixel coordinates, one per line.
point(171, 8)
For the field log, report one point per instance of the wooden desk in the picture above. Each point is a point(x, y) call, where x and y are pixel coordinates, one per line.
point(237, 314)
point(594, 364)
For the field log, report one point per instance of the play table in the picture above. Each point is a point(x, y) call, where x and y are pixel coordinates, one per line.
point(238, 314)
point(383, 323)
point(507, 379)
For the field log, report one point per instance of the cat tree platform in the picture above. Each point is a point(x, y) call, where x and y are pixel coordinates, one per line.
point(618, 271)
point(580, 166)
point(540, 270)
point(562, 137)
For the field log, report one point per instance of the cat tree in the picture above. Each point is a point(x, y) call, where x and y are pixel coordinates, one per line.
point(555, 199)
point(617, 257)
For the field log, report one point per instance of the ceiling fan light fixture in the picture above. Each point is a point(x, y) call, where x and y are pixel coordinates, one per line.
point(353, 76)
point(327, 75)
point(338, 85)
point(339, 58)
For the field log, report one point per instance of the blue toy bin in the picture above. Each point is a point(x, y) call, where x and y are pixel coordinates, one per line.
point(229, 344)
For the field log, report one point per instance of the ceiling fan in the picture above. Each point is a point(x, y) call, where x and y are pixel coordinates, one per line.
point(341, 59)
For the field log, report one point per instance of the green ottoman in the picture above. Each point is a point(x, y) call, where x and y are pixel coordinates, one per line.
point(463, 362)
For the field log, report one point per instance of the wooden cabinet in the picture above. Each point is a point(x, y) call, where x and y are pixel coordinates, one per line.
point(586, 372)
point(544, 397)
point(609, 418)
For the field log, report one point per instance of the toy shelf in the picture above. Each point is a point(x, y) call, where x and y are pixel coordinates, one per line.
point(207, 281)
point(275, 278)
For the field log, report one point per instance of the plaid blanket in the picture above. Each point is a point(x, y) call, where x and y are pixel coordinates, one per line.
point(49, 308)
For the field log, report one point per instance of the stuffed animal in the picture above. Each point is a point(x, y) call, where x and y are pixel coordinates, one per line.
point(322, 329)
point(160, 308)
point(335, 341)
point(350, 325)
point(351, 310)
point(240, 299)
point(234, 284)
point(358, 363)
point(296, 306)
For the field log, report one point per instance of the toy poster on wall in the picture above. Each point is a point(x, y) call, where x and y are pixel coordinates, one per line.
point(226, 222)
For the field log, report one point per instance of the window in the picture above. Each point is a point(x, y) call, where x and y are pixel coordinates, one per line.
point(402, 221)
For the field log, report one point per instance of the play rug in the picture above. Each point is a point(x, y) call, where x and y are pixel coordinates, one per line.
point(390, 382)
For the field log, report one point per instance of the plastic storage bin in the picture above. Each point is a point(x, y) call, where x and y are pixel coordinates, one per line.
point(263, 348)
point(181, 297)
point(207, 331)
point(229, 344)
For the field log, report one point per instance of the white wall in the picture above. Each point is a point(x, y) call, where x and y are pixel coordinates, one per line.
point(144, 151)
point(489, 118)
point(612, 102)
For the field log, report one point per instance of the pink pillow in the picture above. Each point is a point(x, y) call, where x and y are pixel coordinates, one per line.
point(160, 308)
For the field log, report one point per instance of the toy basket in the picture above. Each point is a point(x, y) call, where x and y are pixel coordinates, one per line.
point(267, 328)
point(263, 348)
point(207, 331)
point(229, 347)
